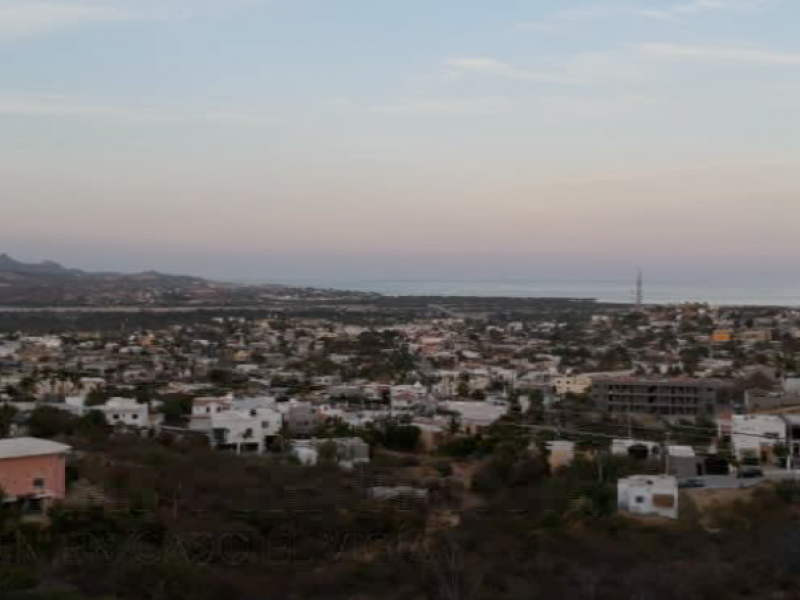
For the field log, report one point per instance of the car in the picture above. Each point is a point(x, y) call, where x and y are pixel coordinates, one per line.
point(750, 473)
point(692, 483)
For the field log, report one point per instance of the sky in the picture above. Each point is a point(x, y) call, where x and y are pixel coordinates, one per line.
point(393, 139)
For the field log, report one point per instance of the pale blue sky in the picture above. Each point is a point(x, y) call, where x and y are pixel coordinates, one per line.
point(400, 138)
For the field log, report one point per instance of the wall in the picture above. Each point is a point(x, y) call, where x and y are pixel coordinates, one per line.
point(17, 475)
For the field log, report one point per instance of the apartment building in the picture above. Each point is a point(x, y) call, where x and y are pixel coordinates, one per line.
point(662, 396)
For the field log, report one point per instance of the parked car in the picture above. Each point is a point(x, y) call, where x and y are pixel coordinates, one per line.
point(692, 483)
point(750, 473)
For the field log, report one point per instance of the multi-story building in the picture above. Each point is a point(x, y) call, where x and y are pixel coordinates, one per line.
point(666, 397)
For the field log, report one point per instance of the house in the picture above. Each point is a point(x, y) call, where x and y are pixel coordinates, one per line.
point(349, 451)
point(126, 411)
point(684, 463)
point(572, 384)
point(205, 407)
point(32, 471)
point(562, 453)
point(655, 495)
point(755, 436)
point(244, 430)
point(475, 417)
point(302, 418)
point(621, 447)
point(432, 432)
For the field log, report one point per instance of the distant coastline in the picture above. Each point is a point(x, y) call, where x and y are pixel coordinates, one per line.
point(761, 294)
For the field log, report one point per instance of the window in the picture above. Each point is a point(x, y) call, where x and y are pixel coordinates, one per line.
point(38, 483)
point(135, 417)
point(639, 500)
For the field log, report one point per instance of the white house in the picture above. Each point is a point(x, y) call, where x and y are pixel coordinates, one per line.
point(126, 411)
point(648, 495)
point(475, 416)
point(562, 453)
point(755, 436)
point(205, 407)
point(572, 384)
point(245, 430)
point(349, 451)
point(621, 447)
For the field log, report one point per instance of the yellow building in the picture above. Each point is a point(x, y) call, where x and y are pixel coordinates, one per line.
point(722, 336)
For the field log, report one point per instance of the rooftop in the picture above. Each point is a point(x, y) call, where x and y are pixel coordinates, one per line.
point(21, 447)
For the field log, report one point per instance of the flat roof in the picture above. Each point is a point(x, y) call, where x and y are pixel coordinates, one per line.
point(26, 446)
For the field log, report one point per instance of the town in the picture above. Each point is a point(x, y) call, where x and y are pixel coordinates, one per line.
point(405, 418)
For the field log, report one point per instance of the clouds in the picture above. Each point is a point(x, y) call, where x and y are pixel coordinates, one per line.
point(22, 18)
point(444, 106)
point(677, 12)
point(38, 106)
point(716, 54)
point(26, 18)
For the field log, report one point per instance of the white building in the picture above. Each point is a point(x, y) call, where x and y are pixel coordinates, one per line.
point(755, 436)
point(205, 407)
point(349, 451)
point(621, 447)
point(245, 430)
point(648, 495)
point(126, 411)
point(562, 453)
point(572, 384)
point(475, 416)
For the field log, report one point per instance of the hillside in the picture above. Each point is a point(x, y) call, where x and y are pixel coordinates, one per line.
point(51, 284)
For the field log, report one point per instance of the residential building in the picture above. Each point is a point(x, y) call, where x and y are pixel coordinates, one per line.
point(755, 436)
point(621, 447)
point(572, 384)
point(32, 471)
point(349, 451)
point(562, 453)
point(126, 411)
point(475, 417)
point(245, 430)
point(648, 495)
point(662, 396)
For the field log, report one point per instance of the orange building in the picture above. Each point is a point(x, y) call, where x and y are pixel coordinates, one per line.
point(32, 471)
point(722, 336)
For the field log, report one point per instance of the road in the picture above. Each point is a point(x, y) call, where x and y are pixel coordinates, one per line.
point(731, 482)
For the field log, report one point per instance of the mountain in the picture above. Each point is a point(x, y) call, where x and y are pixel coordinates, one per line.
point(51, 284)
point(10, 265)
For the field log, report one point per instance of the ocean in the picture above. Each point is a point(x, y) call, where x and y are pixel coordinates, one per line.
point(760, 293)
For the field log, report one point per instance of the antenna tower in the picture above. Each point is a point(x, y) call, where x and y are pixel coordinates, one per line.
point(639, 290)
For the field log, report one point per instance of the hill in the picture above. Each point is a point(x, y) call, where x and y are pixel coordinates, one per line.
point(51, 284)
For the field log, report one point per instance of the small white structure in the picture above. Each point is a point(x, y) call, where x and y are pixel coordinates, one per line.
point(621, 447)
point(755, 436)
point(125, 411)
point(655, 495)
point(245, 430)
point(562, 453)
point(475, 416)
point(349, 451)
point(572, 384)
point(205, 407)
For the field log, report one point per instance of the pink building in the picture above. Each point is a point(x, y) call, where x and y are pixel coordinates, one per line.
point(32, 471)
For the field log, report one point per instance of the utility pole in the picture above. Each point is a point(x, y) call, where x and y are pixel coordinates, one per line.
point(666, 454)
point(600, 467)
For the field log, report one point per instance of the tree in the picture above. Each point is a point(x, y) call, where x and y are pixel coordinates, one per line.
point(7, 414)
point(328, 453)
point(49, 421)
